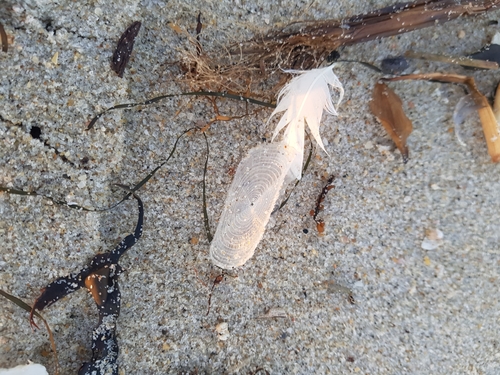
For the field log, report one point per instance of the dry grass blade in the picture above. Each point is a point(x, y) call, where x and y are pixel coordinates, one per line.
point(3, 37)
point(206, 220)
point(496, 104)
point(388, 108)
point(489, 122)
point(463, 61)
point(486, 115)
point(28, 309)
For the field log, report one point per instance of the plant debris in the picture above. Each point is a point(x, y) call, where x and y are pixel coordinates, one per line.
point(388, 109)
point(100, 277)
point(19, 302)
point(206, 220)
point(305, 45)
point(136, 187)
point(487, 116)
point(3, 37)
point(320, 224)
point(217, 281)
point(199, 27)
point(475, 62)
point(124, 48)
point(197, 93)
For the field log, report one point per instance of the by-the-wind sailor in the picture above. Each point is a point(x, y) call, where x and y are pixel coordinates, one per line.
point(251, 198)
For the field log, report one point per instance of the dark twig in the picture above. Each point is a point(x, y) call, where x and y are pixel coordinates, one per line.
point(205, 212)
point(217, 281)
point(320, 224)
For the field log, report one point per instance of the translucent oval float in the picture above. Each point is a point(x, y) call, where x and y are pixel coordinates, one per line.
point(251, 199)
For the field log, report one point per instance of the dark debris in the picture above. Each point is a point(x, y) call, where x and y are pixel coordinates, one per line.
point(491, 52)
point(321, 198)
point(124, 48)
point(100, 277)
point(3, 38)
point(394, 65)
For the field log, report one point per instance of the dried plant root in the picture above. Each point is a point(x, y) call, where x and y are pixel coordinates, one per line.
point(305, 45)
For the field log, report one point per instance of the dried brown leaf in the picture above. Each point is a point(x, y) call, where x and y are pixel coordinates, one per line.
point(388, 108)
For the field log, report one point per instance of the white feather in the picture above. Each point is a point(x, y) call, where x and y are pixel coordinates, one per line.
point(31, 369)
point(304, 99)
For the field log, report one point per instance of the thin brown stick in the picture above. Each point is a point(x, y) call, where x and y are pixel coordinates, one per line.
point(3, 37)
point(19, 302)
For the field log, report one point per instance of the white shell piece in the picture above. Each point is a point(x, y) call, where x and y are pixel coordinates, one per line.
point(274, 312)
point(464, 108)
point(222, 330)
point(251, 198)
point(433, 239)
point(32, 369)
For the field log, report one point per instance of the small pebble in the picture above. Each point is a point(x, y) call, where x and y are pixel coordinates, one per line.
point(222, 330)
point(433, 239)
point(394, 65)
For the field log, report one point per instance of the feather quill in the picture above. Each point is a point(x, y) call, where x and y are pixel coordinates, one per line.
point(267, 169)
